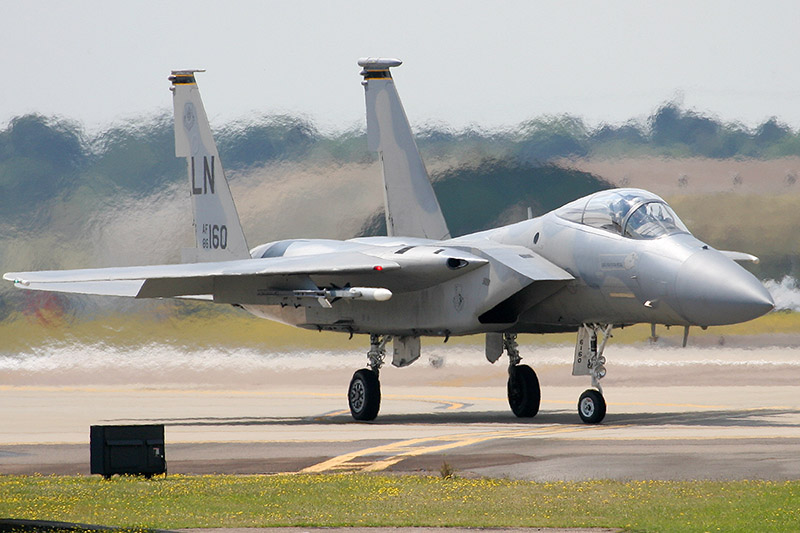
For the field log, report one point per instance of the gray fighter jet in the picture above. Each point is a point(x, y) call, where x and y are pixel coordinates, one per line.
point(611, 259)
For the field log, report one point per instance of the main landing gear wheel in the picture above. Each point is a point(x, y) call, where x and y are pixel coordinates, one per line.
point(524, 394)
point(364, 395)
point(592, 407)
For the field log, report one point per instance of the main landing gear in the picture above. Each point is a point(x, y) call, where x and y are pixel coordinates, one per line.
point(524, 394)
point(364, 393)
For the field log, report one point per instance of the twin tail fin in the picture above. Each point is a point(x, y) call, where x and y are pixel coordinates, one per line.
point(412, 209)
point(218, 231)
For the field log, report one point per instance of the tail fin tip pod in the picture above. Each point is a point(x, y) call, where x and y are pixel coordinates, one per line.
point(412, 209)
point(218, 231)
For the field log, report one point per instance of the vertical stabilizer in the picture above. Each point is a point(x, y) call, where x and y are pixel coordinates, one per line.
point(218, 232)
point(412, 209)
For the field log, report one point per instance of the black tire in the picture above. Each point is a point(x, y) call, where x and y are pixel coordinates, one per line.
point(524, 394)
point(364, 395)
point(592, 407)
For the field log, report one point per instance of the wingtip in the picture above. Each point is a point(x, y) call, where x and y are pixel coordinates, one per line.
point(14, 278)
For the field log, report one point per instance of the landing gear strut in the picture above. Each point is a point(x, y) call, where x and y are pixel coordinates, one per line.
point(524, 394)
point(364, 393)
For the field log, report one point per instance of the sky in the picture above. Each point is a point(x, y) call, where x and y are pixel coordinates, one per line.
point(466, 63)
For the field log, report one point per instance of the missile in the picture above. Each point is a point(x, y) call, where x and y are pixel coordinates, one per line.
point(376, 294)
point(325, 296)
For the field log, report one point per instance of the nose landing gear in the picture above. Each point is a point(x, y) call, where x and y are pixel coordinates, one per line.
point(589, 361)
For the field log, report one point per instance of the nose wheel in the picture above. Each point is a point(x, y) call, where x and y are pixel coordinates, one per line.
point(592, 407)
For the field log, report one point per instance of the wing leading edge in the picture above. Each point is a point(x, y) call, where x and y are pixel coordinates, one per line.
point(164, 281)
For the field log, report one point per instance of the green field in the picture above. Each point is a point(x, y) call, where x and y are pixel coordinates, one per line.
point(237, 329)
point(380, 500)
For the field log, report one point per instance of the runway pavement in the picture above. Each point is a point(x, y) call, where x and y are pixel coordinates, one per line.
point(694, 414)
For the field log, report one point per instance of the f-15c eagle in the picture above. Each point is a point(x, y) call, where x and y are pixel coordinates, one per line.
point(614, 258)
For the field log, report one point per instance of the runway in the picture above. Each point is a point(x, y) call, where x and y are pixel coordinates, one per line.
point(673, 414)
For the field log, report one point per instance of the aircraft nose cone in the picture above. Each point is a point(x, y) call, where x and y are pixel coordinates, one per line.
point(713, 290)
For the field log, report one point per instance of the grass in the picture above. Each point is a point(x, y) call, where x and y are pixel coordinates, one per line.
point(22, 332)
point(380, 500)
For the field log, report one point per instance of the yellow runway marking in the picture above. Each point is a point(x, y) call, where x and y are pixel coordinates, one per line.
point(391, 454)
point(334, 413)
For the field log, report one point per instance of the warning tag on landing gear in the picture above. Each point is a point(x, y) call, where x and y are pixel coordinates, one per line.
point(583, 353)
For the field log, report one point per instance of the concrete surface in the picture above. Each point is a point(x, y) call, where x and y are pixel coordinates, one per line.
point(673, 414)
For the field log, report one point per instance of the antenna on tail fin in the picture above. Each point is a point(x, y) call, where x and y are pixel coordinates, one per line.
point(218, 232)
point(412, 209)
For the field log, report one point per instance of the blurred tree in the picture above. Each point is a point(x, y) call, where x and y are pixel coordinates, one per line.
point(771, 132)
point(275, 137)
point(474, 197)
point(547, 138)
point(40, 157)
point(137, 156)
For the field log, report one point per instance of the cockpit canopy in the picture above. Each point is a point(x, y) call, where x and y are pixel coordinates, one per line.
point(631, 213)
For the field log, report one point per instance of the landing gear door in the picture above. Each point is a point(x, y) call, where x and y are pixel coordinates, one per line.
point(583, 353)
point(494, 346)
point(406, 351)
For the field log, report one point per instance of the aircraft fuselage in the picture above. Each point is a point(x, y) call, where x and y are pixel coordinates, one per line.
point(673, 279)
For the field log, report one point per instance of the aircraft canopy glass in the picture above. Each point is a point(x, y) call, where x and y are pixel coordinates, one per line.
point(632, 213)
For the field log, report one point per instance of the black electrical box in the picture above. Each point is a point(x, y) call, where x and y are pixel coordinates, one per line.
point(132, 450)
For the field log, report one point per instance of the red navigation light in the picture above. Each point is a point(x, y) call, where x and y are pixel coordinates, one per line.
point(377, 267)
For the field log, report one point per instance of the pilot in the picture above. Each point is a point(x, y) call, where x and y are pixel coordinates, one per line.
point(618, 209)
point(635, 222)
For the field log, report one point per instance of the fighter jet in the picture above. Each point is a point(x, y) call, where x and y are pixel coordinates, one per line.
point(611, 259)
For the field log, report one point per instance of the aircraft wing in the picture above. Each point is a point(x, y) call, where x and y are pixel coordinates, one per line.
point(157, 281)
point(295, 280)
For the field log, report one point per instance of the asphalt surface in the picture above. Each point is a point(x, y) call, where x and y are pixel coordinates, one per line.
point(674, 415)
